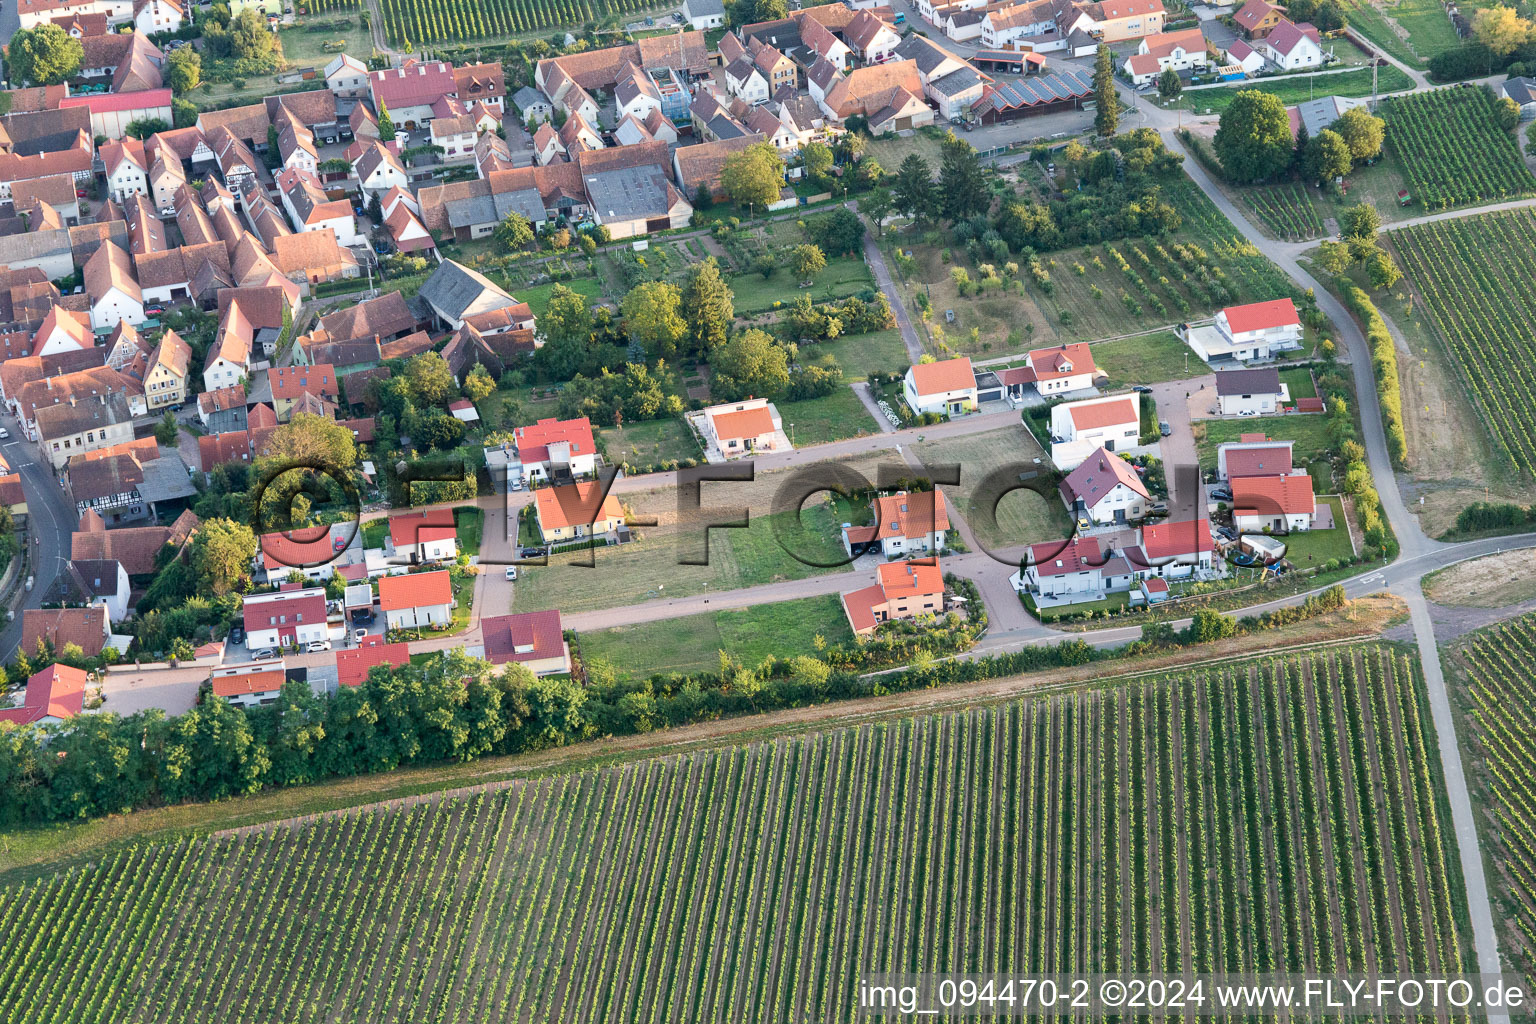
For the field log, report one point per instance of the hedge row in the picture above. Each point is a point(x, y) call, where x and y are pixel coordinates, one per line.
point(1384, 361)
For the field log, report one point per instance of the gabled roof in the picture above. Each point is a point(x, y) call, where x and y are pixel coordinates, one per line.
point(110, 268)
point(353, 666)
point(1063, 558)
point(527, 636)
point(578, 504)
point(1264, 380)
point(945, 375)
point(912, 514)
point(1251, 13)
point(384, 317)
point(1096, 415)
point(1287, 36)
point(1172, 540)
point(1266, 495)
point(410, 528)
point(417, 590)
point(413, 84)
point(86, 627)
point(1259, 316)
point(1098, 475)
point(58, 691)
point(533, 441)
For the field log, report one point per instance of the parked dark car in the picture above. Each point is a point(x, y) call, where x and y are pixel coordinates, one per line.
point(1141, 389)
point(237, 634)
point(1164, 429)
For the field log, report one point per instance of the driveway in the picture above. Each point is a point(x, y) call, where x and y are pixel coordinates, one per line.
point(1180, 462)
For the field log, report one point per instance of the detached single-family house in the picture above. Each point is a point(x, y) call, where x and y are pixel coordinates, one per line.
point(55, 694)
point(1052, 372)
point(903, 590)
point(288, 618)
point(1289, 46)
point(103, 581)
point(346, 77)
point(704, 14)
point(1257, 19)
point(417, 600)
point(1072, 571)
point(744, 428)
point(556, 448)
point(252, 685)
point(1174, 550)
point(947, 387)
point(1257, 392)
point(1079, 428)
point(1181, 51)
point(426, 536)
point(1273, 504)
point(1254, 455)
point(353, 665)
point(1257, 330)
point(1523, 92)
point(533, 640)
point(906, 523)
point(871, 38)
point(576, 511)
point(1104, 488)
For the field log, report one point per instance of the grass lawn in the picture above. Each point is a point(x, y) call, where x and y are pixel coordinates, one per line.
point(537, 296)
point(1148, 359)
point(1313, 547)
point(1293, 89)
point(1310, 432)
point(890, 152)
point(649, 568)
point(469, 522)
point(843, 276)
point(374, 532)
point(829, 418)
point(646, 442)
point(693, 643)
point(303, 47)
point(1111, 605)
point(1298, 379)
point(1022, 516)
point(862, 354)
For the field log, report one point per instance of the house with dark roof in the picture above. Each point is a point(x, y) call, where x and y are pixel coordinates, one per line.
point(455, 292)
point(102, 581)
point(533, 640)
point(1257, 392)
point(1104, 489)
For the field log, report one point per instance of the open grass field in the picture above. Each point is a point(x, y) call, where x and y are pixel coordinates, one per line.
point(1471, 273)
point(537, 295)
point(1022, 516)
point(1494, 691)
point(862, 354)
point(648, 442)
point(469, 523)
point(1413, 31)
point(1094, 290)
point(1146, 359)
point(843, 276)
point(694, 643)
point(1309, 431)
point(1293, 89)
point(1453, 152)
point(829, 418)
point(1272, 814)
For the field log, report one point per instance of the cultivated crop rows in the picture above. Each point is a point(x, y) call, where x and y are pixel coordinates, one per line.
point(1453, 150)
point(1501, 700)
point(1259, 817)
point(436, 21)
point(1474, 274)
point(1288, 212)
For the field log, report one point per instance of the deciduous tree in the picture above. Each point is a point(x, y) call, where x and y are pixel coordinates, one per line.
point(1253, 141)
point(708, 307)
point(751, 363)
point(222, 551)
point(46, 55)
point(653, 316)
point(754, 176)
point(1363, 131)
point(807, 261)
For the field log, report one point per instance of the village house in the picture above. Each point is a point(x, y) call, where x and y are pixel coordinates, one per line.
point(1104, 488)
point(533, 640)
point(417, 600)
point(1182, 51)
point(743, 428)
point(53, 695)
point(577, 511)
point(1256, 331)
point(1052, 372)
point(1273, 504)
point(250, 685)
point(556, 449)
point(906, 523)
point(425, 536)
point(289, 618)
point(87, 628)
point(945, 388)
point(1254, 455)
point(1291, 47)
point(104, 582)
point(1257, 392)
point(1079, 428)
point(1257, 19)
point(1072, 572)
point(1174, 550)
point(903, 590)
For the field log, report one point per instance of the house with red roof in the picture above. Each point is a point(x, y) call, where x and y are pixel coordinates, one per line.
point(354, 663)
point(946, 387)
point(1255, 331)
point(292, 383)
point(1174, 550)
point(1254, 455)
point(902, 590)
point(409, 91)
point(1183, 50)
point(289, 618)
point(1078, 428)
point(556, 448)
point(425, 536)
point(533, 640)
point(1072, 572)
point(906, 523)
point(417, 601)
point(57, 627)
point(1104, 489)
point(1273, 504)
point(1051, 371)
point(315, 551)
point(577, 511)
point(742, 428)
point(55, 694)
point(250, 685)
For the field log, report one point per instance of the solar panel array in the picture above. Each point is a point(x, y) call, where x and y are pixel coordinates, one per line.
point(1052, 87)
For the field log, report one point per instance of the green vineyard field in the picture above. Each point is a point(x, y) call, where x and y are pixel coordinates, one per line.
point(1452, 150)
point(1474, 275)
point(1262, 816)
point(1500, 699)
point(416, 22)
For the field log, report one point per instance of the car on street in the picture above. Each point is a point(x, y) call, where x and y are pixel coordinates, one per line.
point(4, 434)
point(1164, 429)
point(264, 654)
point(1141, 389)
point(317, 646)
point(512, 572)
point(1220, 494)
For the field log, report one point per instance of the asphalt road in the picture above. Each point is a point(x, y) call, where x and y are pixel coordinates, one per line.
point(51, 521)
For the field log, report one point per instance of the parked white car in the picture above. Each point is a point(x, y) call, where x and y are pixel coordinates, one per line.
point(318, 646)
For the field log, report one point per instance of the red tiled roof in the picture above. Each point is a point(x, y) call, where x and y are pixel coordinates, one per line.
point(948, 375)
point(1266, 495)
point(352, 666)
point(1062, 361)
point(297, 548)
point(743, 423)
point(289, 382)
point(216, 449)
point(1103, 414)
point(908, 579)
point(302, 606)
point(418, 590)
point(58, 691)
point(420, 527)
point(260, 681)
point(528, 636)
point(86, 627)
point(1270, 459)
point(1171, 540)
point(911, 515)
point(1062, 558)
point(575, 505)
point(1256, 316)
